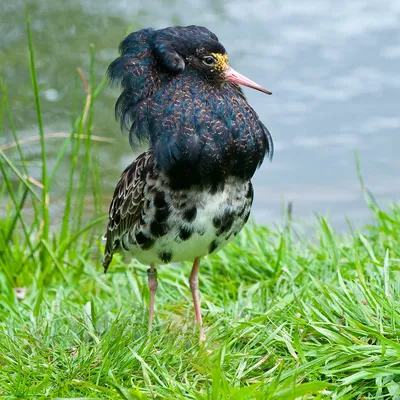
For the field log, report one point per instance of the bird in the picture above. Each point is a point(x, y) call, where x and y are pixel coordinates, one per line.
point(190, 193)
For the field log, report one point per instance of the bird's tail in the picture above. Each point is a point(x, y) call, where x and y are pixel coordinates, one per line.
point(106, 261)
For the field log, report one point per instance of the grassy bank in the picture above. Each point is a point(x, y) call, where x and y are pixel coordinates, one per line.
point(284, 319)
point(287, 315)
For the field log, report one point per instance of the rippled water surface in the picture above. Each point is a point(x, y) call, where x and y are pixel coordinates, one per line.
point(333, 67)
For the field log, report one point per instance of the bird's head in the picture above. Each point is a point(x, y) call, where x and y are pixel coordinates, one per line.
point(175, 50)
point(196, 49)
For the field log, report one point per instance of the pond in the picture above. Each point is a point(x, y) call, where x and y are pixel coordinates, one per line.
point(333, 68)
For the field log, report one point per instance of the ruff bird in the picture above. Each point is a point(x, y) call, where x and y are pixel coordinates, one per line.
point(190, 193)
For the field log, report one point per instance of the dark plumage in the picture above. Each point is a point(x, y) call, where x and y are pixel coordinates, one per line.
point(190, 193)
point(200, 126)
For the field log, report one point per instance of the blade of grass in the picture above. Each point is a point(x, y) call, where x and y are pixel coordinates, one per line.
point(65, 245)
point(45, 206)
point(14, 219)
point(19, 175)
point(16, 205)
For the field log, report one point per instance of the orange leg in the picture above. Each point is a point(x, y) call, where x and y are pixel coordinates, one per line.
point(153, 284)
point(194, 287)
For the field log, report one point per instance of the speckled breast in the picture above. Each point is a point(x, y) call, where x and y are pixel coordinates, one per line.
point(183, 225)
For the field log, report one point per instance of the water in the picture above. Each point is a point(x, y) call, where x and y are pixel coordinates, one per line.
point(333, 67)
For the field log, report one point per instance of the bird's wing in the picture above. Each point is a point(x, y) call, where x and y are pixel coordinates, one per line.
point(127, 203)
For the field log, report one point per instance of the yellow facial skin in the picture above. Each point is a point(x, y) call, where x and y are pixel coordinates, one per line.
point(222, 62)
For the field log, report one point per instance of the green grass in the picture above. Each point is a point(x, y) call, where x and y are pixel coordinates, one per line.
point(287, 314)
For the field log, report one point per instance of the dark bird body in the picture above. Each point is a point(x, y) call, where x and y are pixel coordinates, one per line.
point(190, 193)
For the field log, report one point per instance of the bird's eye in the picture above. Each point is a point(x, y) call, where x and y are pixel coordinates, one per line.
point(209, 61)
